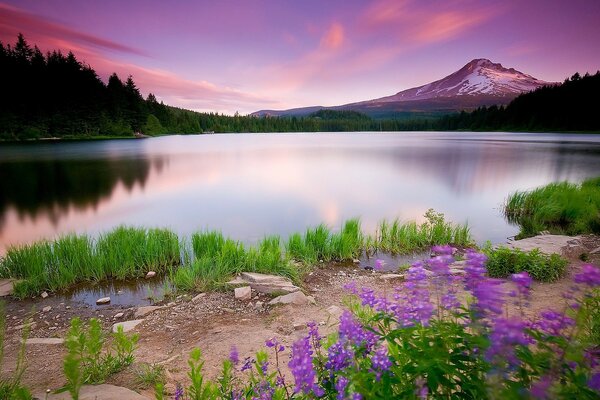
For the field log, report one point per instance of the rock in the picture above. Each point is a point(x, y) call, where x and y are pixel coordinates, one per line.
point(30, 324)
point(118, 315)
point(143, 311)
point(457, 271)
point(263, 283)
point(312, 300)
point(103, 300)
point(243, 293)
point(356, 261)
point(47, 341)
point(390, 277)
point(150, 274)
point(291, 298)
point(258, 305)
point(459, 264)
point(550, 244)
point(46, 309)
point(335, 311)
point(7, 286)
point(198, 297)
point(171, 304)
point(298, 326)
point(97, 392)
point(67, 307)
point(228, 310)
point(127, 325)
point(44, 294)
point(595, 251)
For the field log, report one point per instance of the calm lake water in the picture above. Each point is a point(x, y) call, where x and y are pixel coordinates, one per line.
point(257, 184)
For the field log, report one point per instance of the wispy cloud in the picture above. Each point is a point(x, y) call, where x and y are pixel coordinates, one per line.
point(14, 19)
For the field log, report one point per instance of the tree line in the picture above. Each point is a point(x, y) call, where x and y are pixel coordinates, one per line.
point(56, 95)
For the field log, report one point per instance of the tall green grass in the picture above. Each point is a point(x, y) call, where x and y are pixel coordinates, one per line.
point(125, 252)
point(561, 208)
point(211, 259)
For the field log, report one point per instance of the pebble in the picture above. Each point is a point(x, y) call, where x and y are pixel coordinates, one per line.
point(44, 295)
point(119, 315)
point(46, 309)
point(150, 274)
point(103, 300)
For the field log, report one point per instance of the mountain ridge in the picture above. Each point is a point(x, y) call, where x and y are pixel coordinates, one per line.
point(480, 82)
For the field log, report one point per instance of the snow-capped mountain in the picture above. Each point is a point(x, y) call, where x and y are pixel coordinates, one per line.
point(479, 77)
point(479, 83)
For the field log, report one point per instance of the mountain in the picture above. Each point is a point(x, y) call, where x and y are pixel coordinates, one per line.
point(479, 83)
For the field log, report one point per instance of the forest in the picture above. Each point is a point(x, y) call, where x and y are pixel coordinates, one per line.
point(54, 95)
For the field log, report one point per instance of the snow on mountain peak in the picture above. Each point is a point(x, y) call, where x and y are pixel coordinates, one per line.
point(478, 77)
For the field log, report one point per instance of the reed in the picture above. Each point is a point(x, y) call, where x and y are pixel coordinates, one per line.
point(561, 208)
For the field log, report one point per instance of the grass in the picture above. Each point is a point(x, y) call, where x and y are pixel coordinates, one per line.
point(149, 375)
point(125, 252)
point(560, 208)
point(211, 259)
point(10, 387)
point(504, 261)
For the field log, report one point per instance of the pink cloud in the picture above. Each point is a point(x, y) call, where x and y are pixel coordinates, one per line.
point(334, 37)
point(13, 20)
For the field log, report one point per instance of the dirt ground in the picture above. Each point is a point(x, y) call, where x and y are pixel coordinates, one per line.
point(214, 323)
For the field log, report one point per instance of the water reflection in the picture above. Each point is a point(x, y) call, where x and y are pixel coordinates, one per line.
point(252, 185)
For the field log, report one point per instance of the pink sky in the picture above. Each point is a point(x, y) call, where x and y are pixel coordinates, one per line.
point(229, 56)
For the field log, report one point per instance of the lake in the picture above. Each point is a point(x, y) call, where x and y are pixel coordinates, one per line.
point(250, 185)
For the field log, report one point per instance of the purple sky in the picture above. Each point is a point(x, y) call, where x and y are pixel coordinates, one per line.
point(245, 55)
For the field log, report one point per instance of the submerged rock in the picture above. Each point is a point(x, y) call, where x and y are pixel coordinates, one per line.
point(103, 300)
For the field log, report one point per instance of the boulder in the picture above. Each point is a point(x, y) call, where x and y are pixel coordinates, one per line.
point(143, 311)
point(127, 325)
point(97, 392)
point(103, 300)
point(291, 298)
point(263, 283)
point(243, 293)
point(569, 246)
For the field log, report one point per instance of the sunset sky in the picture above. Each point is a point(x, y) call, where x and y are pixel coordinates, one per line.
point(230, 56)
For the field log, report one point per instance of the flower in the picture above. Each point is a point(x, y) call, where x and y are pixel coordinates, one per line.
point(506, 334)
point(340, 386)
point(234, 356)
point(489, 296)
point(339, 356)
point(179, 392)
point(301, 366)
point(380, 362)
point(274, 343)
point(247, 364)
point(379, 264)
point(553, 323)
point(523, 281)
point(589, 276)
point(594, 382)
point(422, 390)
point(539, 390)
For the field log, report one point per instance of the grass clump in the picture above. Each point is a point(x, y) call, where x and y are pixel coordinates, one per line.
point(150, 375)
point(125, 252)
point(560, 208)
point(398, 238)
point(503, 262)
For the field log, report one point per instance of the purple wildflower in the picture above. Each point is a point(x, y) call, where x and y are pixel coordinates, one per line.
point(489, 296)
point(340, 387)
point(351, 287)
point(263, 391)
point(539, 390)
point(274, 343)
point(594, 382)
point(339, 356)
point(351, 330)
point(380, 362)
point(553, 323)
point(416, 307)
point(247, 364)
point(234, 356)
point(589, 276)
point(443, 249)
point(506, 334)
point(475, 269)
point(368, 297)
point(523, 281)
point(356, 396)
point(178, 392)
point(313, 333)
point(301, 366)
point(422, 390)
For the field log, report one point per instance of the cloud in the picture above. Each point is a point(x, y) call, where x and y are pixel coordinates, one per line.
point(334, 37)
point(13, 19)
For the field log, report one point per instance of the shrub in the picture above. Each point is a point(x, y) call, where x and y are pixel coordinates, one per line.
point(503, 262)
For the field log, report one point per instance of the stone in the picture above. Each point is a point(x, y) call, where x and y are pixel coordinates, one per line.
point(198, 297)
point(118, 315)
point(150, 274)
point(31, 325)
point(44, 295)
point(457, 271)
point(595, 251)
point(290, 298)
point(97, 392)
point(299, 326)
point(459, 264)
point(45, 341)
point(228, 310)
point(264, 283)
point(243, 293)
point(550, 244)
point(312, 300)
point(127, 325)
point(46, 309)
point(390, 277)
point(335, 311)
point(259, 304)
point(356, 261)
point(7, 286)
point(103, 300)
point(143, 311)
